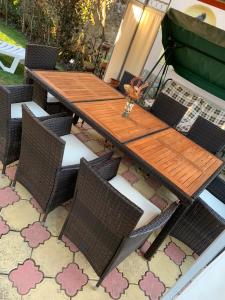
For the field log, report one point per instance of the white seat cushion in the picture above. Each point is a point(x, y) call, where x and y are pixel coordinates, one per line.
point(150, 210)
point(16, 110)
point(75, 150)
point(213, 202)
point(51, 98)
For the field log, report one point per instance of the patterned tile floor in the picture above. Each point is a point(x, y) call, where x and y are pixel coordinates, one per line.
point(35, 265)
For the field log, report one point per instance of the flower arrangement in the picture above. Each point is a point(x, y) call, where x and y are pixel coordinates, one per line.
point(134, 91)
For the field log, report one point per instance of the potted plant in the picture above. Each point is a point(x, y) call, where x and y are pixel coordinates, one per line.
point(134, 92)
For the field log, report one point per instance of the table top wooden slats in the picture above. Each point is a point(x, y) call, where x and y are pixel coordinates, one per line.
point(108, 115)
point(185, 165)
point(177, 158)
point(75, 86)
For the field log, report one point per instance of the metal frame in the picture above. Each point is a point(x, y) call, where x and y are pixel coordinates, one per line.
point(159, 5)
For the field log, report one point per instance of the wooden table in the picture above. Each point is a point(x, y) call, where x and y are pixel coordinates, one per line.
point(182, 162)
point(74, 86)
point(106, 117)
point(182, 165)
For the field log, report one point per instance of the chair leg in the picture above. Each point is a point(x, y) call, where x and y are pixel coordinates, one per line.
point(75, 119)
point(100, 281)
point(13, 184)
point(44, 218)
point(63, 228)
point(3, 169)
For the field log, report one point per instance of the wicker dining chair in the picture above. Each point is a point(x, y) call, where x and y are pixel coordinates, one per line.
point(168, 110)
point(50, 159)
point(42, 57)
point(204, 220)
point(11, 100)
point(103, 222)
point(207, 135)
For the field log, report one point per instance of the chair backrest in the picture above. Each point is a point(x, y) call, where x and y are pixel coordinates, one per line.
point(126, 79)
point(5, 104)
point(168, 110)
point(100, 217)
point(40, 157)
point(207, 135)
point(5, 116)
point(217, 188)
point(40, 57)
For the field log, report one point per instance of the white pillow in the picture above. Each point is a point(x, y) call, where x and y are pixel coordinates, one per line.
point(150, 210)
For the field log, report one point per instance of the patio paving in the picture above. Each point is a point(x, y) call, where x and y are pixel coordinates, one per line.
point(35, 265)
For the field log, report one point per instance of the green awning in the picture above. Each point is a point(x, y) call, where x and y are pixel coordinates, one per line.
point(197, 51)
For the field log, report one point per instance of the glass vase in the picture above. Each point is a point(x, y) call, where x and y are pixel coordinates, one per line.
point(128, 107)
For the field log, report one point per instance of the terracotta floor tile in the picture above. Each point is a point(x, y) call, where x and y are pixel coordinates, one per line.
point(13, 250)
point(127, 267)
point(75, 129)
point(115, 284)
point(7, 292)
point(94, 135)
point(4, 181)
point(11, 171)
point(20, 214)
point(91, 293)
point(4, 228)
point(8, 197)
point(167, 194)
point(152, 286)
point(23, 192)
point(95, 146)
point(185, 248)
point(26, 277)
point(72, 279)
point(164, 268)
point(56, 260)
point(130, 176)
point(175, 253)
point(56, 219)
point(52, 257)
point(134, 293)
point(144, 188)
point(84, 265)
point(187, 263)
point(48, 289)
point(122, 168)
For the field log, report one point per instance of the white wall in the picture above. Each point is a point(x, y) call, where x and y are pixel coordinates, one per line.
point(182, 5)
point(157, 49)
point(209, 285)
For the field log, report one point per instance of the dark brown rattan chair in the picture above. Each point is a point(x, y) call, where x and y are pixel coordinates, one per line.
point(11, 98)
point(102, 221)
point(207, 135)
point(43, 57)
point(168, 110)
point(204, 220)
point(43, 168)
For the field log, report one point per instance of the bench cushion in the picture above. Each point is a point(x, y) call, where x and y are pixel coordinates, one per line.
point(150, 210)
point(197, 106)
point(75, 150)
point(16, 110)
point(215, 204)
point(51, 98)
